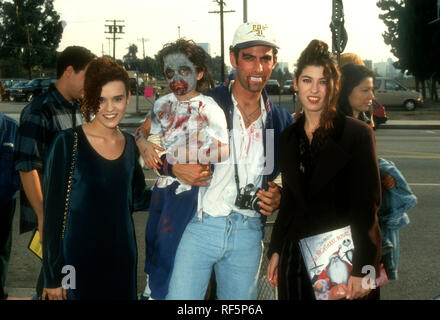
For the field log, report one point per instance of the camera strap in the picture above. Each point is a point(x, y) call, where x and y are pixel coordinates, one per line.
point(237, 180)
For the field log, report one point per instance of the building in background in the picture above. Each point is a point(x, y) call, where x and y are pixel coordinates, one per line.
point(386, 69)
point(205, 46)
point(282, 65)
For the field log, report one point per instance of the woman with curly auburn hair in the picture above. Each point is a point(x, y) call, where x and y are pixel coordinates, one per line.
point(330, 180)
point(93, 182)
point(99, 72)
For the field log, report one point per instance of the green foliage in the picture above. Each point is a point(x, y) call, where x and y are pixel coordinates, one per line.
point(148, 65)
point(214, 65)
point(152, 67)
point(30, 31)
point(12, 68)
point(131, 62)
point(412, 39)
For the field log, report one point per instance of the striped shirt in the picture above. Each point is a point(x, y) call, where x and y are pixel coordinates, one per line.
point(40, 121)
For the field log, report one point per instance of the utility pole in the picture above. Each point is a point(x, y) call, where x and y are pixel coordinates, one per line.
point(245, 17)
point(178, 32)
point(28, 41)
point(114, 29)
point(143, 51)
point(221, 3)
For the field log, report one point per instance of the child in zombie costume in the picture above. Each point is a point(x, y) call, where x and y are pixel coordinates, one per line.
point(192, 129)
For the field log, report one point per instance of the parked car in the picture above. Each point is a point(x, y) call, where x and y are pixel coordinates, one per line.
point(137, 85)
point(31, 89)
point(7, 84)
point(288, 87)
point(272, 86)
point(379, 113)
point(391, 93)
point(15, 84)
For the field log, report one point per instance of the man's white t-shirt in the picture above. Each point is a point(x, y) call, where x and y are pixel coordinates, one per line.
point(248, 146)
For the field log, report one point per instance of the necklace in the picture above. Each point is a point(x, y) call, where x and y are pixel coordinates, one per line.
point(248, 119)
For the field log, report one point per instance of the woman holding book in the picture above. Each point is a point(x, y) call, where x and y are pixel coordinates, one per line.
point(330, 180)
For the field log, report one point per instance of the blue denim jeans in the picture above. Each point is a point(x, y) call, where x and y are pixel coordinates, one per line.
point(232, 245)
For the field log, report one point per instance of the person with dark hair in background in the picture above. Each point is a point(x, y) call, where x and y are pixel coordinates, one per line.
point(92, 184)
point(330, 180)
point(356, 97)
point(357, 91)
point(192, 129)
point(357, 94)
point(45, 116)
point(9, 184)
point(376, 114)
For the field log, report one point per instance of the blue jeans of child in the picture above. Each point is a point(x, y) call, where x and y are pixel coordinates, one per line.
point(231, 245)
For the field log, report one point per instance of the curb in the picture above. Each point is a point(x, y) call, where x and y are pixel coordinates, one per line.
point(382, 126)
point(410, 126)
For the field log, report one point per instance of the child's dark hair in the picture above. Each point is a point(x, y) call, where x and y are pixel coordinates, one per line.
point(99, 72)
point(195, 54)
point(75, 56)
point(317, 54)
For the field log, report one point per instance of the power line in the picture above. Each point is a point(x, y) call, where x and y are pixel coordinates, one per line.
point(245, 15)
point(143, 52)
point(114, 29)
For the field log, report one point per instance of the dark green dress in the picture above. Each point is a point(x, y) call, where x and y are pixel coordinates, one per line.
point(99, 245)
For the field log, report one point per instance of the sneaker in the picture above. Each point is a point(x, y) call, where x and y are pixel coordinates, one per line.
point(143, 297)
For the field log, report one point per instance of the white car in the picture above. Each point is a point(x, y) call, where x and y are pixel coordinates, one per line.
point(389, 92)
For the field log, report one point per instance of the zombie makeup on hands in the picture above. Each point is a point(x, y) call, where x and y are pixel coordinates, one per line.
point(180, 73)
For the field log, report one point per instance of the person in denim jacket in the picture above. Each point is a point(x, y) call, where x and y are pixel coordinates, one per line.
point(9, 184)
point(396, 202)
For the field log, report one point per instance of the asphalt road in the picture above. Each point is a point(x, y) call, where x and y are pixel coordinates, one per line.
point(416, 153)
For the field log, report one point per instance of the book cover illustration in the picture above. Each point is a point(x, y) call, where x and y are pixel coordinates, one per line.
point(328, 258)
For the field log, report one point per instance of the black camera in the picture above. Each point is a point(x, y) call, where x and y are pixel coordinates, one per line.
point(247, 198)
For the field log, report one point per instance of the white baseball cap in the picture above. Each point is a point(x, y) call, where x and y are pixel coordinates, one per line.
point(251, 34)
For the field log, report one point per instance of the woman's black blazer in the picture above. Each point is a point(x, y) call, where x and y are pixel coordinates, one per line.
point(344, 189)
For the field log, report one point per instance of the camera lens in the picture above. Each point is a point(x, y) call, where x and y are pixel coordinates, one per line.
point(255, 201)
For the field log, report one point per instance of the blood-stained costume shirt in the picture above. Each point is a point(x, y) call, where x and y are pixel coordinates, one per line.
point(180, 124)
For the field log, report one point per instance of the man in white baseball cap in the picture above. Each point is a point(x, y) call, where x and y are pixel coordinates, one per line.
point(228, 236)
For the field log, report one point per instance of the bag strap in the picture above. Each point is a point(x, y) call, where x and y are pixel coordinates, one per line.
point(69, 184)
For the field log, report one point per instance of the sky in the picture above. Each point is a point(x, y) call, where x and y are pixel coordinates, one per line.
point(296, 23)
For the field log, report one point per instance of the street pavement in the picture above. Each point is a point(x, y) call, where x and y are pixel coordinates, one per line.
point(420, 256)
